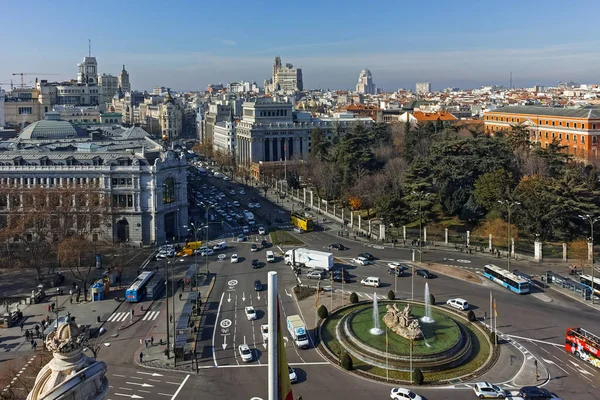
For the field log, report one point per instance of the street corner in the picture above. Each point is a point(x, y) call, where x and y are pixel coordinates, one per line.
point(532, 373)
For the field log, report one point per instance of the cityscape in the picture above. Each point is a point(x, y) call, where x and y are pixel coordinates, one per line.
point(221, 201)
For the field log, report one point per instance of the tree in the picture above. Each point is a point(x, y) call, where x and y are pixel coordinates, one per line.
point(79, 256)
point(492, 187)
point(518, 138)
point(346, 362)
point(391, 295)
point(578, 250)
point(353, 298)
point(471, 316)
point(418, 377)
point(431, 299)
point(322, 312)
point(319, 145)
point(498, 228)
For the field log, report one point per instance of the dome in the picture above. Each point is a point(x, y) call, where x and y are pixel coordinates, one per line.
point(50, 128)
point(168, 98)
point(67, 330)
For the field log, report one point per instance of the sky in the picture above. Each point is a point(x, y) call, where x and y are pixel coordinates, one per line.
point(188, 44)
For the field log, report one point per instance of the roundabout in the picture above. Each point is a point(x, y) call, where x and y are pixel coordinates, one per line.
point(443, 345)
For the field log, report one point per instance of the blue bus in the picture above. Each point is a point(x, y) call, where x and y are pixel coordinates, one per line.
point(137, 290)
point(506, 279)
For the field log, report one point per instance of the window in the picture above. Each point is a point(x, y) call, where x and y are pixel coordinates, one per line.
point(552, 135)
point(553, 123)
point(593, 126)
point(546, 135)
point(567, 124)
point(594, 141)
point(25, 111)
point(169, 191)
point(574, 124)
point(560, 136)
point(568, 140)
point(582, 139)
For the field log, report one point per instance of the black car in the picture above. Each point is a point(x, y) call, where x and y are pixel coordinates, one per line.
point(255, 264)
point(398, 271)
point(337, 277)
point(424, 273)
point(534, 392)
point(257, 285)
point(253, 228)
point(265, 244)
point(368, 256)
point(338, 246)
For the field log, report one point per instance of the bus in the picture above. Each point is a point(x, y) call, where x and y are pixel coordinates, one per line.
point(302, 222)
point(584, 345)
point(587, 281)
point(506, 279)
point(137, 290)
point(155, 287)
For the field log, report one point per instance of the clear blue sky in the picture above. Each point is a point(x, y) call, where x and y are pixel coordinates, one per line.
point(188, 44)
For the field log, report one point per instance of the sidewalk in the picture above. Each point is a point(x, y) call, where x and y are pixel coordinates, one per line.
point(154, 355)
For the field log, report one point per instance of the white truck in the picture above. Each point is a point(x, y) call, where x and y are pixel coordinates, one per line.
point(309, 258)
point(297, 331)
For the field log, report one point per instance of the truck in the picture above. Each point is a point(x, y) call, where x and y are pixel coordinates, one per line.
point(309, 258)
point(297, 330)
point(189, 248)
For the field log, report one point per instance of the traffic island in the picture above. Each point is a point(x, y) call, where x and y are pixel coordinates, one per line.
point(452, 349)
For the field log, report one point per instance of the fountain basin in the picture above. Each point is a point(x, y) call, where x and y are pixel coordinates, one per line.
point(376, 331)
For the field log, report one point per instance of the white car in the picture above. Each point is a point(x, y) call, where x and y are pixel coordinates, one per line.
point(246, 229)
point(245, 353)
point(242, 192)
point(485, 390)
point(236, 203)
point(234, 258)
point(293, 377)
point(250, 313)
point(459, 304)
point(207, 252)
point(257, 205)
point(262, 231)
point(404, 394)
point(298, 230)
point(264, 330)
point(361, 261)
point(220, 246)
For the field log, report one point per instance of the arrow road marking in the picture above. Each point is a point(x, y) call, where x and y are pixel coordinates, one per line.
point(131, 396)
point(229, 298)
point(224, 342)
point(149, 373)
point(258, 296)
point(243, 296)
point(140, 384)
point(557, 366)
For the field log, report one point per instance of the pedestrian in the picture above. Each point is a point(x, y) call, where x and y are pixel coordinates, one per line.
point(48, 307)
point(152, 340)
point(71, 300)
point(21, 325)
point(180, 296)
point(32, 344)
point(27, 334)
point(141, 357)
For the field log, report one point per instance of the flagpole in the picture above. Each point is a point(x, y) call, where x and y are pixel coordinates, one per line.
point(410, 358)
point(491, 315)
point(273, 337)
point(495, 323)
point(387, 366)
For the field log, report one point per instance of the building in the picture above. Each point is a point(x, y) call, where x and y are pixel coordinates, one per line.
point(87, 71)
point(146, 186)
point(224, 136)
point(2, 122)
point(26, 105)
point(365, 83)
point(422, 88)
point(171, 118)
point(577, 128)
point(124, 80)
point(286, 77)
point(217, 112)
point(79, 115)
point(109, 84)
point(271, 134)
point(421, 118)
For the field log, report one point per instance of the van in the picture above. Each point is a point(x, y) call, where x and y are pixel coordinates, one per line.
point(220, 246)
point(370, 281)
point(270, 256)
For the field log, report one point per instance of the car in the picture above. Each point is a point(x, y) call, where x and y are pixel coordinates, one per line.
point(250, 205)
point(424, 273)
point(253, 227)
point(207, 252)
point(228, 218)
point(232, 192)
point(253, 247)
point(265, 244)
point(371, 281)
point(361, 261)
point(534, 392)
point(338, 277)
point(337, 246)
point(250, 313)
point(298, 230)
point(459, 304)
point(404, 394)
point(255, 263)
point(257, 205)
point(245, 353)
point(242, 192)
point(262, 231)
point(293, 377)
point(236, 203)
point(220, 246)
point(314, 275)
point(485, 390)
point(368, 256)
point(234, 258)
point(396, 268)
point(226, 178)
point(241, 238)
point(257, 285)
point(246, 229)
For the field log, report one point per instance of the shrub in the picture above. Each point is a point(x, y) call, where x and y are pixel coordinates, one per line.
point(418, 377)
point(346, 362)
point(353, 298)
point(471, 316)
point(322, 312)
point(431, 299)
point(391, 295)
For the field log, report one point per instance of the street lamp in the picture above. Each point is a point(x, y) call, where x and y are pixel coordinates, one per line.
point(207, 208)
point(420, 196)
point(592, 221)
point(167, 314)
point(509, 206)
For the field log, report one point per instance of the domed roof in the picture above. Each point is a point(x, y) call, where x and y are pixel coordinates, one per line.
point(168, 98)
point(50, 128)
point(67, 330)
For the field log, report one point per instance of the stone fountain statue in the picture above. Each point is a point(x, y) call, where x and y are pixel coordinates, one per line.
point(402, 322)
point(70, 373)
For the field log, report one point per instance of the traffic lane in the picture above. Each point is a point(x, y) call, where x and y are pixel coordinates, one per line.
point(127, 382)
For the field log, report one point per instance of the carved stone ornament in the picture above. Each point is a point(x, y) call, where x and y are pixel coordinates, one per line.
point(402, 322)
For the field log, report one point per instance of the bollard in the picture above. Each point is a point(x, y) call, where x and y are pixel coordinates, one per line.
point(98, 318)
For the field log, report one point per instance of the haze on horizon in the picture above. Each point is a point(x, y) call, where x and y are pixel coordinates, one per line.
point(187, 45)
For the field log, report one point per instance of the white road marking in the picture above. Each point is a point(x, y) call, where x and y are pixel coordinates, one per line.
point(535, 340)
point(121, 376)
point(154, 380)
point(215, 331)
point(180, 387)
point(557, 366)
point(149, 373)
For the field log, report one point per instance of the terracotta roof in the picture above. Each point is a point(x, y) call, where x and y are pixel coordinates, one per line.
point(443, 116)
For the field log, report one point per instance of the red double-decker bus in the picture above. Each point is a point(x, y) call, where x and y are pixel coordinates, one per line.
point(583, 344)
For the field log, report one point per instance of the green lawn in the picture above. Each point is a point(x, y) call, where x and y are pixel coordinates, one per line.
point(283, 238)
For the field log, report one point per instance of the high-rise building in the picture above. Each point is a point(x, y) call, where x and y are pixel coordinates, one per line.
point(423, 87)
point(109, 84)
point(124, 80)
point(365, 82)
point(1, 108)
point(286, 77)
point(87, 71)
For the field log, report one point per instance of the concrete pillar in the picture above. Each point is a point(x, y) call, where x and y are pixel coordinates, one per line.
point(404, 232)
point(490, 242)
point(312, 198)
point(468, 238)
point(304, 195)
point(370, 227)
point(564, 252)
point(382, 232)
point(319, 203)
point(537, 250)
point(351, 219)
point(446, 236)
point(590, 250)
point(326, 206)
point(512, 247)
point(359, 222)
point(342, 215)
point(334, 210)
point(425, 234)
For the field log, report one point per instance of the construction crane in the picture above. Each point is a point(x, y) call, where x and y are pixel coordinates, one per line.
point(7, 83)
point(22, 74)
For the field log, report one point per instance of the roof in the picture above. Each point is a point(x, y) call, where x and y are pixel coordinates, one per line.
point(49, 129)
point(588, 112)
point(443, 116)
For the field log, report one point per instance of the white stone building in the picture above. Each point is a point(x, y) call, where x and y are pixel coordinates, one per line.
point(171, 118)
point(286, 77)
point(109, 84)
point(422, 88)
point(224, 136)
point(365, 83)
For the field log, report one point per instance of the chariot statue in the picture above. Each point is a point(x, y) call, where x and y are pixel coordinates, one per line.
point(402, 322)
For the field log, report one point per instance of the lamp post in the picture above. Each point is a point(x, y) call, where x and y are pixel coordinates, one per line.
point(509, 206)
point(592, 221)
point(167, 313)
point(207, 207)
point(420, 196)
point(195, 230)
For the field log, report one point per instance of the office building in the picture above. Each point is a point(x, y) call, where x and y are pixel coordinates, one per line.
point(109, 84)
point(365, 83)
point(124, 80)
point(286, 77)
point(422, 88)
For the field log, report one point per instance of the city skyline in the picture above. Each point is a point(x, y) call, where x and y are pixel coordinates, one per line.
point(189, 46)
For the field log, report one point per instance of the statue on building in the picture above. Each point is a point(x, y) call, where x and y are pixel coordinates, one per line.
point(70, 373)
point(402, 322)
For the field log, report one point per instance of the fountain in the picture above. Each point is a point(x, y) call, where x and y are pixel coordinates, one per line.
point(427, 318)
point(375, 330)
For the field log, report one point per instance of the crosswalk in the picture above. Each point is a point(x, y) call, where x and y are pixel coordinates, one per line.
point(236, 230)
point(368, 296)
point(124, 315)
